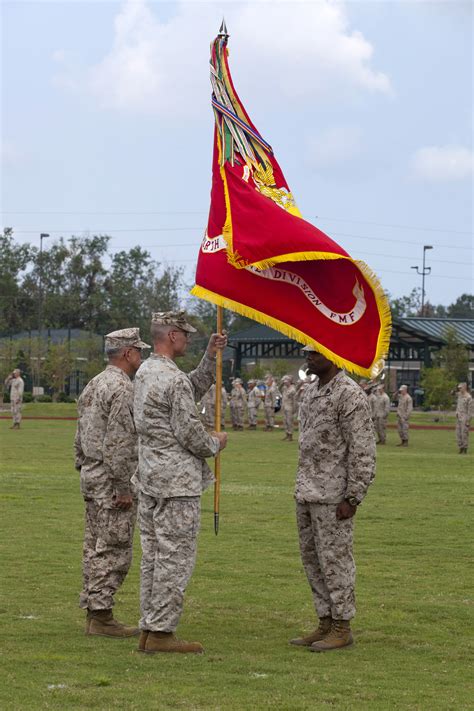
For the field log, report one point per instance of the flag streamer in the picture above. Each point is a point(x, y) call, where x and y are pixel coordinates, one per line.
point(259, 257)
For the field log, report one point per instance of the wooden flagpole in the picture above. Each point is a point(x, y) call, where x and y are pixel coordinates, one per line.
point(217, 425)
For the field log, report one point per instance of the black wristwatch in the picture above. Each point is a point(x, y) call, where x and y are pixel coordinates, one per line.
point(352, 501)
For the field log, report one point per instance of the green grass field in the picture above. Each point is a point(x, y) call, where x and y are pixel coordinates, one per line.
point(249, 594)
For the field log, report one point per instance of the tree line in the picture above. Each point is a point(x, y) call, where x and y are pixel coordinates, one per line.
point(78, 283)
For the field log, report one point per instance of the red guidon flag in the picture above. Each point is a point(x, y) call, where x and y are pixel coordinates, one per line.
point(259, 257)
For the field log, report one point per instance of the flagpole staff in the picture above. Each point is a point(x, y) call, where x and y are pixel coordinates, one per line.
point(217, 425)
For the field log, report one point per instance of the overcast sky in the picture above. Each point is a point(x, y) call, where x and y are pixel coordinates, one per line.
point(106, 124)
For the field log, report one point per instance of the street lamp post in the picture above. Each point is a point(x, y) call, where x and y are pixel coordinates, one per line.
point(424, 272)
point(43, 236)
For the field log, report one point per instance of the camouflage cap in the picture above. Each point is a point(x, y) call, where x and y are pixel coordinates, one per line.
point(173, 318)
point(125, 338)
point(237, 381)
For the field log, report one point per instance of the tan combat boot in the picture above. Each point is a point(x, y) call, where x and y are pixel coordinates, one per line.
point(103, 624)
point(142, 640)
point(318, 634)
point(339, 636)
point(168, 642)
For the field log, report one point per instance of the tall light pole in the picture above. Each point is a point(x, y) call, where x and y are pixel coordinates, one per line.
point(424, 272)
point(43, 236)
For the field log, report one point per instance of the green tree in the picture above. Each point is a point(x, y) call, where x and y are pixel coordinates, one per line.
point(431, 311)
point(8, 349)
point(439, 386)
point(58, 366)
point(14, 260)
point(47, 282)
point(136, 287)
point(463, 307)
point(406, 306)
point(254, 372)
point(85, 276)
point(72, 276)
point(454, 357)
point(88, 355)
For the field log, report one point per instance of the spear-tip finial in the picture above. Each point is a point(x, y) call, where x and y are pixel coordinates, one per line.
point(223, 30)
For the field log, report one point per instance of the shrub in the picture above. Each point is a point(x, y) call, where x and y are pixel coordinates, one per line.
point(27, 397)
point(44, 398)
point(62, 397)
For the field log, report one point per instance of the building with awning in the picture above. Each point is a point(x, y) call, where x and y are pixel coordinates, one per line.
point(413, 344)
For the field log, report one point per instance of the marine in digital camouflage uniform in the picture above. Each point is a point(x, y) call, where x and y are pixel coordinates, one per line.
point(404, 410)
point(238, 401)
point(288, 405)
point(371, 398)
point(335, 468)
point(209, 403)
point(17, 387)
point(254, 400)
point(300, 391)
point(381, 413)
point(463, 417)
point(106, 457)
point(172, 474)
point(269, 403)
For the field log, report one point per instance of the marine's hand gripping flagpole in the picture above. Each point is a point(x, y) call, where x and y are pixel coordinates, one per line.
point(217, 425)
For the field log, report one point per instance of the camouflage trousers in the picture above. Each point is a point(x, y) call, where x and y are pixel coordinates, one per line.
point(402, 426)
point(381, 428)
point(269, 415)
point(326, 553)
point(107, 552)
point(15, 407)
point(462, 433)
point(288, 419)
point(168, 532)
point(237, 414)
point(210, 418)
point(253, 415)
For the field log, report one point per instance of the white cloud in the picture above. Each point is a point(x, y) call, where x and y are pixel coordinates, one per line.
point(443, 163)
point(297, 49)
point(337, 145)
point(10, 155)
point(59, 55)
